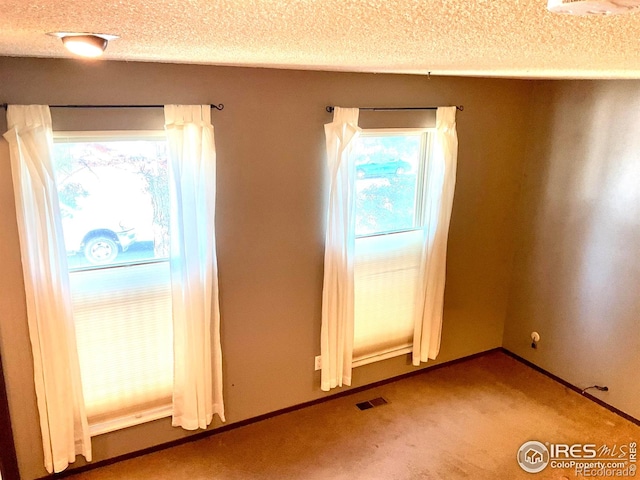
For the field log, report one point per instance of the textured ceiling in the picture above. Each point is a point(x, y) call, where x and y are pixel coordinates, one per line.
point(513, 38)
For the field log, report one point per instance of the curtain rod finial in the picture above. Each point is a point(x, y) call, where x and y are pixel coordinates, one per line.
point(329, 109)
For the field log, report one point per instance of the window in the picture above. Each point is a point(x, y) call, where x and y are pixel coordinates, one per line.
point(390, 182)
point(114, 198)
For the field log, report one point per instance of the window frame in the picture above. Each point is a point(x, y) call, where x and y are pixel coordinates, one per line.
point(63, 136)
point(426, 144)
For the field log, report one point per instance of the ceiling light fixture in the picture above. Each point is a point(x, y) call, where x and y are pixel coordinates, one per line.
point(85, 45)
point(88, 45)
point(593, 7)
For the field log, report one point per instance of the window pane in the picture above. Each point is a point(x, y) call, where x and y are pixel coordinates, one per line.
point(114, 200)
point(386, 186)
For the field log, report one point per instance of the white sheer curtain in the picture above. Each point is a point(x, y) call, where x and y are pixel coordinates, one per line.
point(441, 180)
point(197, 394)
point(338, 293)
point(63, 421)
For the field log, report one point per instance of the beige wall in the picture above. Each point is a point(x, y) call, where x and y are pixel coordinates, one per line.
point(577, 270)
point(270, 219)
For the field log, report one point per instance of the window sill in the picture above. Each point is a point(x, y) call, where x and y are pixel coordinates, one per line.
point(129, 420)
point(359, 362)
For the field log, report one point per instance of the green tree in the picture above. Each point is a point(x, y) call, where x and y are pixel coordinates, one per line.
point(156, 185)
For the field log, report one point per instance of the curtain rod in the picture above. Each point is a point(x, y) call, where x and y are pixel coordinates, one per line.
point(394, 109)
point(220, 106)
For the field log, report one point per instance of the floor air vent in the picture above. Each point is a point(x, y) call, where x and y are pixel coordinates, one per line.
point(375, 402)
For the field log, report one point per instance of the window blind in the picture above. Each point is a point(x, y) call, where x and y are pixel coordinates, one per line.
point(125, 340)
point(386, 275)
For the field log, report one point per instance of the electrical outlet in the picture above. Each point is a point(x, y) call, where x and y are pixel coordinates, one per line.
point(318, 362)
point(535, 338)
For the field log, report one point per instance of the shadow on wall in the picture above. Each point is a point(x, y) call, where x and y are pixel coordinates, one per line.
point(576, 271)
point(8, 461)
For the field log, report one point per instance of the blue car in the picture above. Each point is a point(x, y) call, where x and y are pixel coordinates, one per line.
point(382, 169)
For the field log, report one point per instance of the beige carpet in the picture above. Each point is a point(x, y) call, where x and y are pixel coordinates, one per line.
point(463, 421)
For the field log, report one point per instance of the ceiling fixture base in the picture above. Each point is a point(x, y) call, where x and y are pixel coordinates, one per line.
point(593, 7)
point(84, 44)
